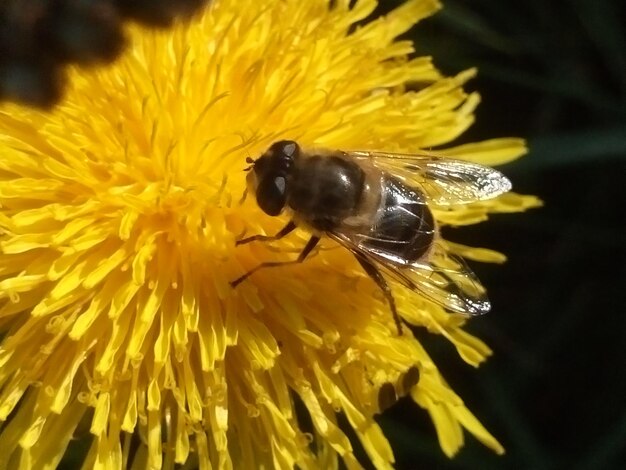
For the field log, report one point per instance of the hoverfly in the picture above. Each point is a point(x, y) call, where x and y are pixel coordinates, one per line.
point(378, 206)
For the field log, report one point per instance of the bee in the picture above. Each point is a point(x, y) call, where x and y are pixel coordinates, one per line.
point(378, 206)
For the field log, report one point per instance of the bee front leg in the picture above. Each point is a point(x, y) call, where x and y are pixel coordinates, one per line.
point(272, 264)
point(284, 231)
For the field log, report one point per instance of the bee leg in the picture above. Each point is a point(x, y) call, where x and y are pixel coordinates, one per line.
point(284, 231)
point(378, 278)
point(272, 264)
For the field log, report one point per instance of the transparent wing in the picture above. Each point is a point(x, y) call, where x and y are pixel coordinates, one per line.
point(403, 229)
point(444, 181)
point(443, 278)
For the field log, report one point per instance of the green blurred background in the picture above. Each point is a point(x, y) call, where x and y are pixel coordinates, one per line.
point(554, 393)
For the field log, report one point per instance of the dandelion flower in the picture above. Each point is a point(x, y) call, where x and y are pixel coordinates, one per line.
point(119, 212)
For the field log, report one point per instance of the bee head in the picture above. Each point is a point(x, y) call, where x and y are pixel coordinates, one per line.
point(269, 174)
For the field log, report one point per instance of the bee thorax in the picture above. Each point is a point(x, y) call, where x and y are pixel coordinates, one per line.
point(324, 191)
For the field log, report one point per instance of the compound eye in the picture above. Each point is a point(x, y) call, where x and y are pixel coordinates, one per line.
point(271, 195)
point(287, 148)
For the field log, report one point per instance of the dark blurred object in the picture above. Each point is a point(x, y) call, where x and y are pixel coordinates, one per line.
point(79, 31)
point(39, 37)
point(33, 82)
point(158, 12)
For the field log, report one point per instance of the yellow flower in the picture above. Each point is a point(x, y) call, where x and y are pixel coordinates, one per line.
point(118, 216)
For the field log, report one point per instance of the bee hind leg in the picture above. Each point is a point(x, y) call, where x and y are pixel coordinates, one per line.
point(287, 229)
point(272, 264)
point(379, 279)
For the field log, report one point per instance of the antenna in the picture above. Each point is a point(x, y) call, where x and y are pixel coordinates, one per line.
point(250, 161)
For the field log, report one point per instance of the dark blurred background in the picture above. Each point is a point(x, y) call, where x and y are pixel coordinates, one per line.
point(552, 71)
point(554, 393)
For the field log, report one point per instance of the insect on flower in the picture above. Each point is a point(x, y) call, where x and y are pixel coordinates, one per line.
point(378, 206)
